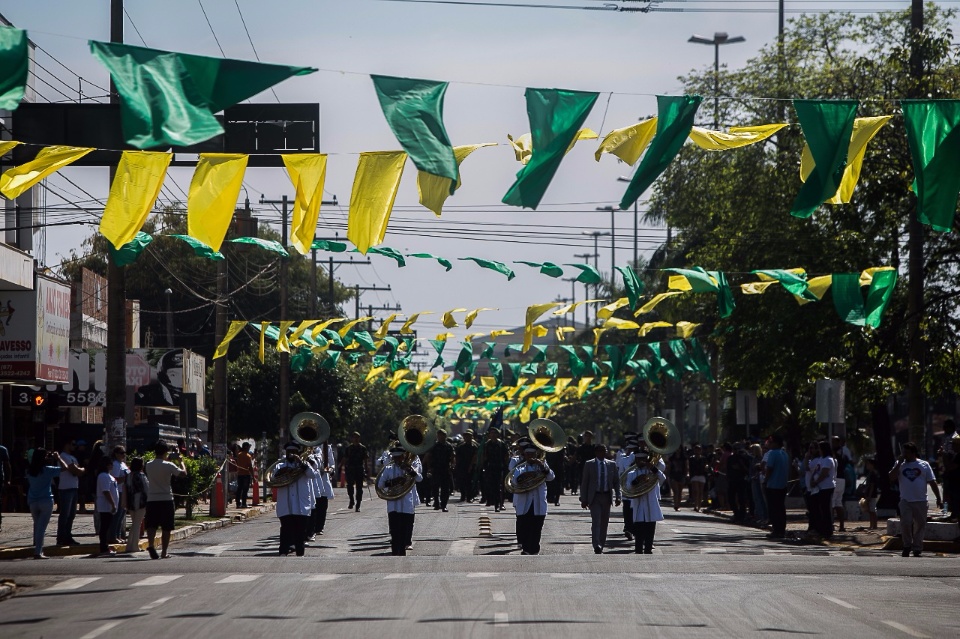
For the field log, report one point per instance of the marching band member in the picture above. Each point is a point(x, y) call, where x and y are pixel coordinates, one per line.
point(295, 502)
point(646, 508)
point(324, 460)
point(624, 461)
point(531, 506)
point(516, 452)
point(400, 512)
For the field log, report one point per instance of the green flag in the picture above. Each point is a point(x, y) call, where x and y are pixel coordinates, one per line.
point(129, 252)
point(632, 284)
point(725, 301)
point(675, 117)
point(576, 364)
point(827, 126)
point(878, 297)
point(488, 351)
point(386, 251)
point(443, 262)
point(331, 361)
point(199, 248)
point(499, 267)
point(699, 358)
point(847, 299)
point(300, 359)
point(555, 118)
point(14, 64)
point(934, 137)
point(551, 369)
point(267, 245)
point(547, 268)
point(541, 352)
point(530, 369)
point(414, 111)
point(515, 371)
point(329, 245)
point(794, 283)
point(332, 337)
point(496, 370)
point(438, 345)
point(168, 99)
point(464, 359)
point(588, 274)
point(679, 351)
point(364, 339)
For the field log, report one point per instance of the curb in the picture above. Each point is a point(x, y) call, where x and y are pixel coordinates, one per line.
point(178, 534)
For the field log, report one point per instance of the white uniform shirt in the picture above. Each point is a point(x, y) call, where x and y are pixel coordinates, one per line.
point(408, 503)
point(647, 507)
point(537, 497)
point(322, 486)
point(297, 498)
point(624, 461)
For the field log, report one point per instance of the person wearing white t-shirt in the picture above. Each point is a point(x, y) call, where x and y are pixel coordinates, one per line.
point(160, 509)
point(823, 481)
point(107, 504)
point(913, 475)
point(69, 490)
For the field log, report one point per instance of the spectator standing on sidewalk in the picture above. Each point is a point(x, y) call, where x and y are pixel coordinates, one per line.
point(6, 472)
point(160, 508)
point(823, 479)
point(69, 488)
point(40, 473)
point(913, 475)
point(107, 504)
point(243, 463)
point(777, 469)
point(137, 489)
point(120, 470)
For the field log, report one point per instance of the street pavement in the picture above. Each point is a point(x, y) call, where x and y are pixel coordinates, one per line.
point(707, 578)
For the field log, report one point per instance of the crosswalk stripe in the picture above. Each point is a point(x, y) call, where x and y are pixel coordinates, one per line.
point(500, 618)
point(905, 629)
point(499, 596)
point(154, 604)
point(215, 550)
point(96, 632)
point(321, 577)
point(565, 575)
point(840, 602)
point(73, 584)
point(400, 575)
point(775, 551)
point(157, 580)
point(462, 547)
point(482, 575)
point(713, 551)
point(237, 579)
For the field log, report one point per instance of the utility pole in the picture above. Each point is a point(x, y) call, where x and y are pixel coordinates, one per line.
point(356, 293)
point(596, 261)
point(573, 300)
point(586, 289)
point(613, 237)
point(915, 310)
point(284, 357)
point(330, 266)
point(116, 401)
point(719, 38)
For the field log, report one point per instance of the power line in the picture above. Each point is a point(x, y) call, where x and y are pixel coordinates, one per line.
point(252, 46)
point(215, 38)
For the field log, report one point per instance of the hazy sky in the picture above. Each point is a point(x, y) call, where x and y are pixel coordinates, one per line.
point(488, 55)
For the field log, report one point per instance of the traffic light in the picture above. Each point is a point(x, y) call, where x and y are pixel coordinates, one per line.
point(39, 399)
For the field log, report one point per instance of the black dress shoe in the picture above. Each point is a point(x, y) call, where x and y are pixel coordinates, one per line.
point(597, 550)
point(905, 553)
point(916, 553)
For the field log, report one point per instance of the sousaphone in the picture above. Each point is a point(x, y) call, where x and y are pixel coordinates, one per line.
point(416, 436)
point(549, 437)
point(308, 430)
point(663, 438)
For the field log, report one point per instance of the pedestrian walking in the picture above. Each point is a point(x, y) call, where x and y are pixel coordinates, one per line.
point(355, 468)
point(160, 509)
point(466, 460)
point(914, 475)
point(68, 495)
point(324, 461)
point(646, 507)
point(530, 506)
point(441, 464)
point(43, 468)
point(495, 457)
point(107, 504)
point(243, 464)
point(401, 512)
point(599, 489)
point(137, 490)
point(295, 501)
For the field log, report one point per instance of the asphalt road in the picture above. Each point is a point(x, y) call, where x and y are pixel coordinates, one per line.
point(707, 578)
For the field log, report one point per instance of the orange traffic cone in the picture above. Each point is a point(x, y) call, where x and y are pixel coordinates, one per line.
point(255, 486)
point(218, 505)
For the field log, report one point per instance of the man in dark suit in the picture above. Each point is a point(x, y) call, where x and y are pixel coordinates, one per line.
point(599, 486)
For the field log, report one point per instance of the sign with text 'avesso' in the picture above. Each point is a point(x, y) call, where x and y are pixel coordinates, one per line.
point(35, 333)
point(157, 377)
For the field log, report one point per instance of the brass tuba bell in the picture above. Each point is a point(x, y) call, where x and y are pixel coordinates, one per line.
point(663, 438)
point(416, 435)
point(308, 430)
point(549, 437)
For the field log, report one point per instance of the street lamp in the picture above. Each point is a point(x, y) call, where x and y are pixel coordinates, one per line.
point(718, 39)
point(169, 293)
point(596, 261)
point(613, 235)
point(636, 229)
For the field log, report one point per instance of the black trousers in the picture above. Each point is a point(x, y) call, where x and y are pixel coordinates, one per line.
point(318, 517)
point(777, 508)
point(243, 489)
point(644, 532)
point(822, 513)
point(627, 515)
point(355, 486)
point(529, 530)
point(293, 532)
point(465, 486)
point(554, 490)
point(106, 521)
point(442, 485)
point(493, 486)
point(401, 532)
point(738, 494)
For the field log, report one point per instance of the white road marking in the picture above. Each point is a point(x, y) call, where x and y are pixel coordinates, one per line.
point(73, 584)
point(321, 577)
point(645, 575)
point(676, 530)
point(499, 596)
point(565, 575)
point(840, 602)
point(656, 551)
point(582, 549)
point(888, 578)
point(102, 629)
point(400, 575)
point(215, 550)
point(726, 577)
point(157, 580)
point(776, 551)
point(713, 551)
point(806, 577)
point(482, 575)
point(462, 547)
point(237, 579)
point(500, 618)
point(154, 604)
point(906, 629)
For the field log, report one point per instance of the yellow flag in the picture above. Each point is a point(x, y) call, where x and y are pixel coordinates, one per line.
point(235, 327)
point(866, 277)
point(471, 336)
point(15, 182)
point(375, 372)
point(533, 312)
point(562, 331)
point(685, 329)
point(323, 325)
point(560, 386)
point(301, 329)
point(570, 308)
point(385, 326)
point(6, 146)
point(448, 319)
point(442, 337)
point(739, 136)
point(608, 310)
point(434, 190)
point(346, 327)
point(537, 384)
point(649, 326)
point(375, 188)
point(597, 332)
point(523, 145)
point(263, 334)
point(629, 142)
point(308, 171)
point(132, 195)
point(499, 333)
point(582, 386)
point(652, 304)
point(818, 286)
point(620, 324)
point(864, 130)
point(472, 315)
point(756, 288)
point(422, 378)
point(283, 344)
point(413, 318)
point(488, 382)
point(398, 377)
point(214, 190)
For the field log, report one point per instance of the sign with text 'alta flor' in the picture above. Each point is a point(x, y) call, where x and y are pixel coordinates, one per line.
point(35, 333)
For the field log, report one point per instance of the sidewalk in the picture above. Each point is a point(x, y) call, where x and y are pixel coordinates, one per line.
point(16, 538)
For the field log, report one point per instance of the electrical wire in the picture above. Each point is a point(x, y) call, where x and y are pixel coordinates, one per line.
point(252, 46)
point(215, 38)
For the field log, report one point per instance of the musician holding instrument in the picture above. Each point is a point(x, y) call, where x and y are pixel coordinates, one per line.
point(295, 500)
point(646, 506)
point(400, 510)
point(323, 459)
point(624, 461)
point(530, 505)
